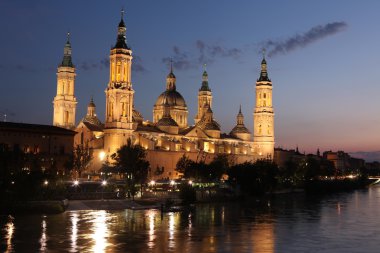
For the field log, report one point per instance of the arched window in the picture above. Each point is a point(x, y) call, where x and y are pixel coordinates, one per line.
point(66, 117)
point(118, 69)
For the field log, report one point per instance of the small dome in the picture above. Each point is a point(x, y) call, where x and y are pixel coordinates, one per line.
point(167, 121)
point(213, 125)
point(239, 129)
point(172, 98)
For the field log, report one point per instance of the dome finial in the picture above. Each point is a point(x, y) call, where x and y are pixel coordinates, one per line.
point(122, 13)
point(171, 65)
point(240, 109)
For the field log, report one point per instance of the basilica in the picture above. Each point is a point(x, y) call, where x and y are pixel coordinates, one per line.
point(169, 135)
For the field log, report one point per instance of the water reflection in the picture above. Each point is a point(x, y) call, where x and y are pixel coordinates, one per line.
point(290, 224)
point(9, 229)
point(100, 231)
point(152, 237)
point(171, 231)
point(74, 232)
point(43, 238)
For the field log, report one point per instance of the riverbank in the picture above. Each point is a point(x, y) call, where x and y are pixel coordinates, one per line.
point(110, 204)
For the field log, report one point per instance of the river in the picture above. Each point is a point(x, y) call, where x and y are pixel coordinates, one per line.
point(344, 222)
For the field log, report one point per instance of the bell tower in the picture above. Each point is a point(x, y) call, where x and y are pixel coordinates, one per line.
point(204, 96)
point(119, 93)
point(65, 102)
point(263, 116)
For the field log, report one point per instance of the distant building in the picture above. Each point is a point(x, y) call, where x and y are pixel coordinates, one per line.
point(343, 162)
point(54, 145)
point(282, 156)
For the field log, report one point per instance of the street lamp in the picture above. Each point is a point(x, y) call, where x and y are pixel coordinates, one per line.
point(46, 182)
point(76, 183)
point(104, 183)
point(102, 155)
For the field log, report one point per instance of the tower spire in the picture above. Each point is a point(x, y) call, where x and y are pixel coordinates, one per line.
point(121, 41)
point(67, 60)
point(204, 86)
point(170, 79)
point(263, 73)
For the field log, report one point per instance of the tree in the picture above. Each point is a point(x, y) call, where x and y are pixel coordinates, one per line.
point(130, 159)
point(82, 157)
point(218, 166)
point(183, 164)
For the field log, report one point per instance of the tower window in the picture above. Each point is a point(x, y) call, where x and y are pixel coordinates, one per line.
point(66, 117)
point(265, 95)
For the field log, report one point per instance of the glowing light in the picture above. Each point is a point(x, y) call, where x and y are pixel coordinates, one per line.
point(172, 182)
point(104, 183)
point(76, 182)
point(102, 155)
point(190, 182)
point(46, 182)
point(152, 182)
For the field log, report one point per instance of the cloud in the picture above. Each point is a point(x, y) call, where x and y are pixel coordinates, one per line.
point(137, 64)
point(204, 54)
point(302, 40)
point(181, 60)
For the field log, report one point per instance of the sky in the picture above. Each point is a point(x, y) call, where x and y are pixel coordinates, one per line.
point(322, 56)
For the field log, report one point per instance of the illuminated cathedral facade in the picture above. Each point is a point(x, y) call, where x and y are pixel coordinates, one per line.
point(169, 135)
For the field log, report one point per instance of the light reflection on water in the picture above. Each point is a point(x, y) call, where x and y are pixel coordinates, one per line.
point(345, 222)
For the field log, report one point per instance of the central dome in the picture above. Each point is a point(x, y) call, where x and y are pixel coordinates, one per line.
point(173, 98)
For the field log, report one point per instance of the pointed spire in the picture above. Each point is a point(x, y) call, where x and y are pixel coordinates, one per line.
point(170, 79)
point(263, 73)
point(121, 41)
point(204, 86)
point(91, 108)
point(67, 60)
point(240, 117)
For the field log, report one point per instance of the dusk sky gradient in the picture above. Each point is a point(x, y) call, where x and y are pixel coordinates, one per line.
point(323, 59)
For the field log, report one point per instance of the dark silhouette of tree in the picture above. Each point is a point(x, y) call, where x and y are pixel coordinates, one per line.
point(254, 178)
point(131, 160)
point(183, 164)
point(82, 157)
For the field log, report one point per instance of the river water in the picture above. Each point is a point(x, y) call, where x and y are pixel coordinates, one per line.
point(345, 222)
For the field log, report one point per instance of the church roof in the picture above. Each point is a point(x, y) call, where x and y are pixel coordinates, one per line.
point(167, 121)
point(173, 98)
point(208, 125)
point(240, 129)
